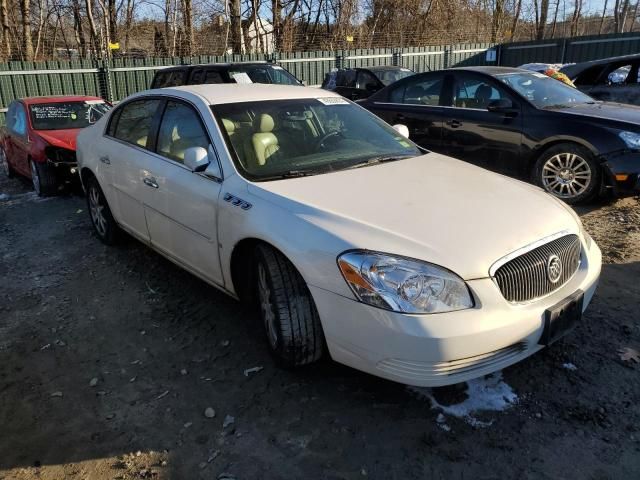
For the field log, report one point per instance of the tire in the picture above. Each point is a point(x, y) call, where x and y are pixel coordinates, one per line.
point(104, 225)
point(43, 179)
point(4, 164)
point(288, 313)
point(569, 172)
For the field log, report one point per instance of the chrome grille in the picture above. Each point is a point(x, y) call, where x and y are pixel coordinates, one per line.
point(525, 277)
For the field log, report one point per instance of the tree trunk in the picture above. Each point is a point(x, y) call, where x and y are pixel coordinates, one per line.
point(575, 18)
point(276, 9)
point(41, 20)
point(95, 42)
point(6, 34)
point(27, 43)
point(498, 12)
point(113, 21)
point(236, 26)
point(78, 29)
point(542, 20)
point(187, 13)
point(555, 20)
point(604, 13)
point(516, 18)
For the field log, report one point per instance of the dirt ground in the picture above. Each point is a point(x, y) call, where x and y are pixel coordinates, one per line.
point(109, 358)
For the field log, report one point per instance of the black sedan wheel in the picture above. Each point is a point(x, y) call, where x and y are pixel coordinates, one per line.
point(568, 172)
point(289, 315)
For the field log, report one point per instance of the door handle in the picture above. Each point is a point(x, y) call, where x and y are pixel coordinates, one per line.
point(454, 123)
point(105, 160)
point(150, 182)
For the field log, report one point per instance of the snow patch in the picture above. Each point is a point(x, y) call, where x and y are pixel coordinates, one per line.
point(569, 366)
point(489, 393)
point(4, 196)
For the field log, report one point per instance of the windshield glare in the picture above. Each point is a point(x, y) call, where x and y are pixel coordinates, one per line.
point(66, 115)
point(278, 138)
point(265, 74)
point(543, 91)
point(387, 77)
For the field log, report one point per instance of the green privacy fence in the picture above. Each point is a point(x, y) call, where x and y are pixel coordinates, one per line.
point(116, 79)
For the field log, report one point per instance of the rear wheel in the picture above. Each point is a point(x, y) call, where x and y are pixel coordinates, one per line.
point(289, 315)
point(569, 172)
point(4, 164)
point(43, 178)
point(103, 222)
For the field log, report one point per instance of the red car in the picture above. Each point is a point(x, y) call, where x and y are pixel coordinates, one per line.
point(39, 139)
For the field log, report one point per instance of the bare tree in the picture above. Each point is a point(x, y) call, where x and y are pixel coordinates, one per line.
point(541, 18)
point(27, 43)
point(516, 18)
point(236, 26)
point(575, 18)
point(498, 13)
point(6, 30)
point(604, 13)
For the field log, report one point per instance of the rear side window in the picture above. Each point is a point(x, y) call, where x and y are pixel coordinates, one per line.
point(366, 81)
point(17, 119)
point(213, 76)
point(135, 120)
point(347, 78)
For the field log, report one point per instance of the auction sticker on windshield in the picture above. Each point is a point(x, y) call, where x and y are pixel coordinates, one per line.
point(333, 101)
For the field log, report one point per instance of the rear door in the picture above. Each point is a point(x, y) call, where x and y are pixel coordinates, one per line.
point(19, 138)
point(207, 75)
point(473, 133)
point(366, 84)
point(181, 205)
point(346, 83)
point(417, 103)
point(127, 158)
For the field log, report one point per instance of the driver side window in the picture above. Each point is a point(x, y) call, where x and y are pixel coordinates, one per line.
point(180, 129)
point(474, 92)
point(425, 90)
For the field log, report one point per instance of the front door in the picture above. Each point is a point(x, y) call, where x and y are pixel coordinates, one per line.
point(473, 133)
point(181, 205)
point(19, 143)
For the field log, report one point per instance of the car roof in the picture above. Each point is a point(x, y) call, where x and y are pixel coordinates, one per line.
point(226, 65)
point(577, 68)
point(57, 99)
point(221, 93)
point(385, 67)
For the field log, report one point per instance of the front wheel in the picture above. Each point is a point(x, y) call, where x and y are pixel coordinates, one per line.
point(569, 172)
point(4, 163)
point(43, 178)
point(288, 312)
point(103, 222)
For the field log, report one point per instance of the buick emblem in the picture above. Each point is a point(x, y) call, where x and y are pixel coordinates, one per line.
point(554, 269)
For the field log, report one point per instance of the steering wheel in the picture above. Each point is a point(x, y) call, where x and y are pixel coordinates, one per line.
point(320, 143)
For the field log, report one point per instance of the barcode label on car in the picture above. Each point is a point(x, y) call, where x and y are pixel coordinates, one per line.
point(333, 101)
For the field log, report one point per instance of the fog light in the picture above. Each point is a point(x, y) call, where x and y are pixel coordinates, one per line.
point(622, 177)
point(73, 170)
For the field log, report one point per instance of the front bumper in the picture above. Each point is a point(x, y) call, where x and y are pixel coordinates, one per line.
point(443, 349)
point(622, 172)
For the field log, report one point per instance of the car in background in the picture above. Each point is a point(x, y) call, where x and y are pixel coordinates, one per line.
point(359, 83)
point(38, 140)
point(348, 239)
point(610, 79)
point(242, 72)
point(520, 123)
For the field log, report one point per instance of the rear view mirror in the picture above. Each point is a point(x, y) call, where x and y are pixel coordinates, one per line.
point(502, 105)
point(196, 159)
point(402, 130)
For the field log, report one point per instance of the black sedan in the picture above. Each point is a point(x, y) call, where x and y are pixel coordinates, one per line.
point(520, 123)
point(359, 83)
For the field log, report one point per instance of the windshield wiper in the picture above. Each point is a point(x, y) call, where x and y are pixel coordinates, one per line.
point(289, 174)
point(377, 160)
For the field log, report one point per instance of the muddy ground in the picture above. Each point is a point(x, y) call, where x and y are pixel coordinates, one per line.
point(109, 358)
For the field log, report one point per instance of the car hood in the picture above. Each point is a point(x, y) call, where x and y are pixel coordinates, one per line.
point(431, 207)
point(60, 138)
point(618, 112)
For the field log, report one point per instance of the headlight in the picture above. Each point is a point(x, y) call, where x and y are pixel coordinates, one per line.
point(631, 139)
point(403, 285)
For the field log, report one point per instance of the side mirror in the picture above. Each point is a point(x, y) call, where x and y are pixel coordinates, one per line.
point(196, 159)
point(502, 105)
point(402, 130)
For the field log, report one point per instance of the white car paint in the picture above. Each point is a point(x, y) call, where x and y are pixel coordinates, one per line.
point(431, 208)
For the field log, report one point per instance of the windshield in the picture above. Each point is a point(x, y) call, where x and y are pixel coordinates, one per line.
point(66, 115)
point(543, 91)
point(387, 77)
point(286, 138)
point(262, 74)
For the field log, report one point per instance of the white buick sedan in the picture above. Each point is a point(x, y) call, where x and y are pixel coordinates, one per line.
point(351, 241)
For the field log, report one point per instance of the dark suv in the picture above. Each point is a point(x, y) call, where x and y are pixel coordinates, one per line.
point(358, 83)
point(255, 72)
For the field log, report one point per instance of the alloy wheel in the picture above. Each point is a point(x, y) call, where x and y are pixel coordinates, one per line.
point(566, 175)
point(268, 316)
point(97, 211)
point(35, 177)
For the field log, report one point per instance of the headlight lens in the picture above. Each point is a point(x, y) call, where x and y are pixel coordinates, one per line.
point(631, 139)
point(403, 285)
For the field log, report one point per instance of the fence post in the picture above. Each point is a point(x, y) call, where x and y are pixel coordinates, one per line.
point(396, 58)
point(564, 50)
point(339, 60)
point(447, 54)
point(104, 81)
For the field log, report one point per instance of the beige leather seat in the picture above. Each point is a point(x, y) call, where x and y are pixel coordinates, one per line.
point(265, 143)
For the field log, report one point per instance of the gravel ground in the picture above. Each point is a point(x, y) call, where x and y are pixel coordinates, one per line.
point(115, 364)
